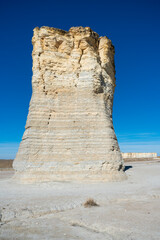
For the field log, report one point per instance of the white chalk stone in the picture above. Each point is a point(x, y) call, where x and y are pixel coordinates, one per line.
point(69, 131)
point(139, 155)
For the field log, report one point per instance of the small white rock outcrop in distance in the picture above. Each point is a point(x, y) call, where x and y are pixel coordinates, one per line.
point(69, 132)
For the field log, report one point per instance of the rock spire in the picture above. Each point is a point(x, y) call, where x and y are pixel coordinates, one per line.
point(69, 133)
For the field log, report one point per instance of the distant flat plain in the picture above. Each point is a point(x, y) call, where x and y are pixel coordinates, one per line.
point(7, 163)
point(128, 210)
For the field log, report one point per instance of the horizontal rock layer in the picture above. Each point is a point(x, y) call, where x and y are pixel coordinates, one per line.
point(69, 131)
point(139, 155)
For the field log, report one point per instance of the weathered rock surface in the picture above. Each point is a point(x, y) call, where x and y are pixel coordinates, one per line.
point(69, 131)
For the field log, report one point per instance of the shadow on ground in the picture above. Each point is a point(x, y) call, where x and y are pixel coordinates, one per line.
point(127, 168)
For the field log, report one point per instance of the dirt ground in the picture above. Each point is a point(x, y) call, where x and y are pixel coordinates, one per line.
point(128, 210)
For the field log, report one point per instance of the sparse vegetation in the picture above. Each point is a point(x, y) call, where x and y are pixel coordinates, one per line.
point(90, 203)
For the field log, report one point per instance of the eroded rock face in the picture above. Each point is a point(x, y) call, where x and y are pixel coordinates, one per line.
point(69, 131)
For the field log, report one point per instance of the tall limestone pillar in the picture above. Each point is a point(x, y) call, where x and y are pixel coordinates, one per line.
point(69, 133)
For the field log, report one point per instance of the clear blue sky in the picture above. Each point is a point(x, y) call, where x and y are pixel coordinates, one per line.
point(133, 27)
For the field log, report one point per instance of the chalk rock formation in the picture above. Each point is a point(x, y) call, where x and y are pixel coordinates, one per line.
point(139, 155)
point(69, 131)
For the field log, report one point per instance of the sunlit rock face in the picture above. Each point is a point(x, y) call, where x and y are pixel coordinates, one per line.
point(69, 133)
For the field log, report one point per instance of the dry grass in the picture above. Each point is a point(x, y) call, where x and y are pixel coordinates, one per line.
point(5, 163)
point(90, 203)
